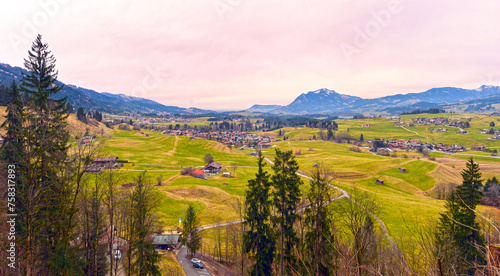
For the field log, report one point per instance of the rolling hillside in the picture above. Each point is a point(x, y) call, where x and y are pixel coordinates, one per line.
point(92, 100)
point(325, 101)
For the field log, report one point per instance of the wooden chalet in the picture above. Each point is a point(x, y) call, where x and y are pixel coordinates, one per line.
point(402, 169)
point(380, 181)
point(213, 168)
point(109, 161)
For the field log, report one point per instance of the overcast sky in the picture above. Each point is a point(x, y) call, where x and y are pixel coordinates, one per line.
point(231, 54)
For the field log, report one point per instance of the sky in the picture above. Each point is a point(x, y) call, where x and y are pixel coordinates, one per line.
point(231, 54)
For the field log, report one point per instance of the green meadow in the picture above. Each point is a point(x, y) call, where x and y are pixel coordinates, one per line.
point(405, 197)
point(383, 128)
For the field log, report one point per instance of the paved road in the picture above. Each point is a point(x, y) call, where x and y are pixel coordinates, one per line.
point(382, 225)
point(190, 271)
point(414, 132)
point(187, 266)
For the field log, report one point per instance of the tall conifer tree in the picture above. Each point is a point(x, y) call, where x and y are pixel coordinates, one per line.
point(45, 193)
point(319, 239)
point(459, 224)
point(259, 239)
point(286, 197)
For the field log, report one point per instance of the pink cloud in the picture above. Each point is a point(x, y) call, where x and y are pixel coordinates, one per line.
point(264, 51)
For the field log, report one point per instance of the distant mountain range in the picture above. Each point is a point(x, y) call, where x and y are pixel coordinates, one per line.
point(485, 99)
point(92, 100)
point(324, 101)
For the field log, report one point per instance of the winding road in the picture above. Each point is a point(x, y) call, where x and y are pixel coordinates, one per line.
point(187, 265)
point(382, 225)
point(416, 133)
point(344, 194)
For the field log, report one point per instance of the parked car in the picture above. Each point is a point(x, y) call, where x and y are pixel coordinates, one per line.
point(198, 265)
point(118, 254)
point(195, 260)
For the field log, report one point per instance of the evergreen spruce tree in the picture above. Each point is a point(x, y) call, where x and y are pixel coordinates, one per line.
point(44, 193)
point(259, 239)
point(190, 235)
point(13, 157)
point(286, 197)
point(80, 114)
point(459, 224)
point(146, 260)
point(329, 135)
point(319, 238)
point(12, 147)
point(94, 229)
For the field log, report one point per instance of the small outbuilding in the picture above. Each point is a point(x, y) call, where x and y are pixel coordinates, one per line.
point(402, 169)
point(166, 241)
point(380, 181)
point(198, 174)
point(109, 161)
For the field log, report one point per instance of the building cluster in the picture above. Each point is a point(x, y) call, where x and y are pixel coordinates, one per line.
point(172, 120)
point(417, 144)
point(228, 138)
point(439, 121)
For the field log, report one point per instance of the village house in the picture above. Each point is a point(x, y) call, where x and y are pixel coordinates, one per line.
point(166, 241)
point(213, 168)
point(109, 161)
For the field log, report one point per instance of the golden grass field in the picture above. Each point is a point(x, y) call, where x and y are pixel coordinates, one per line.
point(405, 197)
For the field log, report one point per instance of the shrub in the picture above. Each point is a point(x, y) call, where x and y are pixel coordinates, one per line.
point(355, 149)
point(187, 171)
point(443, 190)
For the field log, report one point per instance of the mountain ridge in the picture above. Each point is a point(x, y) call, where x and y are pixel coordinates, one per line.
point(325, 101)
point(485, 98)
point(103, 101)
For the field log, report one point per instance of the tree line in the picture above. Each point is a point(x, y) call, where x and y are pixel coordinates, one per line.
point(281, 237)
point(69, 222)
